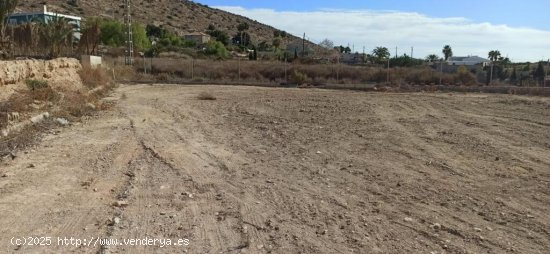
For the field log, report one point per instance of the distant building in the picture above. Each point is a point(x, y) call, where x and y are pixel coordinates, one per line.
point(297, 48)
point(197, 37)
point(353, 58)
point(45, 17)
point(468, 60)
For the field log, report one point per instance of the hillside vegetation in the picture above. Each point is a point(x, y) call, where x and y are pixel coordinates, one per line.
point(175, 15)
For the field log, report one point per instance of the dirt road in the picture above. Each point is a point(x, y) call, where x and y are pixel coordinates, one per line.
point(264, 170)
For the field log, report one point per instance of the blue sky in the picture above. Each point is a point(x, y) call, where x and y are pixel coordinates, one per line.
point(527, 13)
point(519, 29)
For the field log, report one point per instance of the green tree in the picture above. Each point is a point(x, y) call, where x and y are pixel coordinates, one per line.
point(243, 27)
point(216, 48)
point(112, 33)
point(405, 61)
point(381, 54)
point(141, 41)
point(219, 35)
point(539, 73)
point(494, 56)
point(432, 58)
point(447, 52)
point(155, 31)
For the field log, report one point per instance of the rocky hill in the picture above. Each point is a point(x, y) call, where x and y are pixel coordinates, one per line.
point(180, 16)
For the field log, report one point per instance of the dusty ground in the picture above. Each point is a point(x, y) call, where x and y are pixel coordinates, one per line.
point(290, 171)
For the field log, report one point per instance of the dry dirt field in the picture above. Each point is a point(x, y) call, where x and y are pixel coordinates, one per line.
point(264, 170)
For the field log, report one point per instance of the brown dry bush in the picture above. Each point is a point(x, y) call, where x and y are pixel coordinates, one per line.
point(206, 96)
point(274, 72)
point(96, 77)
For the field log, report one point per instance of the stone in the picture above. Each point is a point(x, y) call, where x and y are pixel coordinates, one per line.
point(120, 203)
point(62, 121)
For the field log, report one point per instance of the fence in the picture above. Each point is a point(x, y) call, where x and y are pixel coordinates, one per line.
point(179, 70)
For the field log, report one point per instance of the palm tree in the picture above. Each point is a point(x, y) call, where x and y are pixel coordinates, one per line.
point(432, 58)
point(447, 52)
point(494, 55)
point(381, 53)
point(55, 34)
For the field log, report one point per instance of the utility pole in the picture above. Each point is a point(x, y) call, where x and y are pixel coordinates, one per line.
point(388, 81)
point(440, 71)
point(129, 56)
point(412, 52)
point(396, 52)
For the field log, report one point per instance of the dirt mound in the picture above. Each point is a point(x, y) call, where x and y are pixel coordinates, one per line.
point(61, 74)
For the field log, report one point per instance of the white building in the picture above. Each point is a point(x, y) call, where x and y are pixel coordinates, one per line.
point(468, 60)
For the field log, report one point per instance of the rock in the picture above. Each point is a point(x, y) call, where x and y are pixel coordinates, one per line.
point(31, 166)
point(120, 203)
point(90, 106)
point(319, 152)
point(95, 189)
point(162, 213)
point(116, 220)
point(478, 229)
point(408, 219)
point(260, 247)
point(39, 118)
point(436, 226)
point(4, 175)
point(62, 121)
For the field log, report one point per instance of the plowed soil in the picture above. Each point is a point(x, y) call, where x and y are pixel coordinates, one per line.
point(265, 170)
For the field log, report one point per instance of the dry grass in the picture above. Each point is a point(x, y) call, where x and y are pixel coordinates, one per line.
point(93, 78)
point(273, 72)
point(206, 96)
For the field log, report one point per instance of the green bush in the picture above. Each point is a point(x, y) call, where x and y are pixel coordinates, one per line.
point(113, 33)
point(216, 48)
point(35, 84)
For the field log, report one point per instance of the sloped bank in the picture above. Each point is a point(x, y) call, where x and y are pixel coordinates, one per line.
point(60, 73)
point(55, 92)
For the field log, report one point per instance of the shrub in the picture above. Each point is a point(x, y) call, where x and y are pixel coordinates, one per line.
point(205, 96)
point(95, 77)
point(217, 49)
point(41, 91)
point(35, 84)
point(298, 78)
